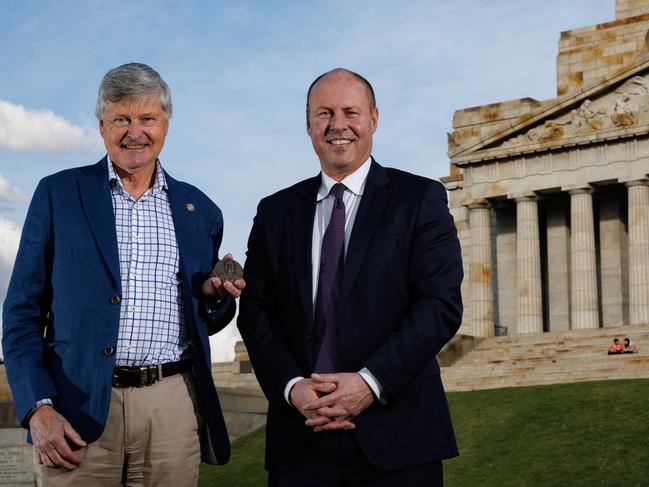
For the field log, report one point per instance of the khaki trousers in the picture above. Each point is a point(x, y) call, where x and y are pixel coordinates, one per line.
point(151, 439)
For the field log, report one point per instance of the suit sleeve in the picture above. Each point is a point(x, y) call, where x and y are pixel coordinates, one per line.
point(220, 318)
point(26, 308)
point(434, 313)
point(273, 365)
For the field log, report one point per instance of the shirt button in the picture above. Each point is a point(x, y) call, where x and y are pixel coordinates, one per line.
point(115, 300)
point(108, 351)
point(131, 308)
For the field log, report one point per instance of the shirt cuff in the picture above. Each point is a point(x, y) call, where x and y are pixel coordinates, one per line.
point(289, 386)
point(374, 384)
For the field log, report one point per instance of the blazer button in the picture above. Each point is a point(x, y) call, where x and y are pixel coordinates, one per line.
point(308, 338)
point(108, 351)
point(115, 300)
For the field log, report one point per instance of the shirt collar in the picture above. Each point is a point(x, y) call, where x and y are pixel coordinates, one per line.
point(354, 182)
point(159, 182)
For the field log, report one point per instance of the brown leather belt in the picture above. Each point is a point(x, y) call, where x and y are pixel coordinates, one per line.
point(133, 376)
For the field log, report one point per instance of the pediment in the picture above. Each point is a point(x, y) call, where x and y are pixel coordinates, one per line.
point(615, 107)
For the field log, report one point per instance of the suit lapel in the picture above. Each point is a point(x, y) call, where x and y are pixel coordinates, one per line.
point(98, 207)
point(375, 196)
point(301, 216)
point(184, 214)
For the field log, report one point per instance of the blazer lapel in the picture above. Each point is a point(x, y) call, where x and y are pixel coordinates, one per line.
point(97, 204)
point(301, 217)
point(375, 196)
point(184, 215)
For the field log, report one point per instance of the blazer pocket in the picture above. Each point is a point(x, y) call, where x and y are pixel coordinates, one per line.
point(57, 343)
point(389, 231)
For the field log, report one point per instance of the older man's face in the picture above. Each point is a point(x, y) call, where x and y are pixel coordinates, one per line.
point(341, 123)
point(134, 131)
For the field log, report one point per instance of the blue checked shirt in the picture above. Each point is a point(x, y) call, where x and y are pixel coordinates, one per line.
point(152, 326)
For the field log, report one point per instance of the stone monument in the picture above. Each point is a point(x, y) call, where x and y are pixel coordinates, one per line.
point(551, 198)
point(16, 464)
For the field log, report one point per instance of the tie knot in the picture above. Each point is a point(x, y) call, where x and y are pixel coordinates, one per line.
point(337, 190)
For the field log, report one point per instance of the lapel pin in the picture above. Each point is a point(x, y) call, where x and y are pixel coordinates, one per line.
point(190, 207)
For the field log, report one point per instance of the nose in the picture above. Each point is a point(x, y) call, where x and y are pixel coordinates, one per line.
point(134, 130)
point(337, 121)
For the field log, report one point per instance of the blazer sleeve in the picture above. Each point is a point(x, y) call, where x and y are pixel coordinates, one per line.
point(434, 312)
point(220, 318)
point(26, 308)
point(273, 364)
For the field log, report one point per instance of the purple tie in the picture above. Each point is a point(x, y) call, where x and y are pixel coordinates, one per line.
point(331, 270)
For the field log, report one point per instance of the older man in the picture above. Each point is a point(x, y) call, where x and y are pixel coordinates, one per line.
point(110, 307)
point(353, 287)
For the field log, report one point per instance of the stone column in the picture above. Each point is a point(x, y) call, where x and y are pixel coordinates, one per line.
point(482, 322)
point(583, 270)
point(528, 266)
point(638, 252)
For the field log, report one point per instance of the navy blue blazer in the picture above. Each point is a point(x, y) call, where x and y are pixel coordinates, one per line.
point(61, 313)
point(399, 304)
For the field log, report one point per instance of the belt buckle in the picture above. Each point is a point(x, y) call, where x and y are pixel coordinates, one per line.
point(149, 375)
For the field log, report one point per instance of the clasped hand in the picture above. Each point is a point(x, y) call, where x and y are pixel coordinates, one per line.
point(331, 401)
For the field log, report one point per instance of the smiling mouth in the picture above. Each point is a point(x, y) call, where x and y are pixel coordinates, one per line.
point(133, 146)
point(339, 141)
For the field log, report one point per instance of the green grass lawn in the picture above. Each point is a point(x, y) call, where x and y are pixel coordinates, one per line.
point(584, 434)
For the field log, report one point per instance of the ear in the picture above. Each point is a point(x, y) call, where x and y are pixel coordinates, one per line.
point(374, 119)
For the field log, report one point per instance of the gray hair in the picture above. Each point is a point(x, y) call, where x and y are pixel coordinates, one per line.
point(132, 80)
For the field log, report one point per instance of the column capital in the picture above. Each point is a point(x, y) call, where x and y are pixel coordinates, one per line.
point(578, 190)
point(637, 182)
point(524, 198)
point(478, 204)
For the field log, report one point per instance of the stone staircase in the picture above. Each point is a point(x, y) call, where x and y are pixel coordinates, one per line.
point(549, 358)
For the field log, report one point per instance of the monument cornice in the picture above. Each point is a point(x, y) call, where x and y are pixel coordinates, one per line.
point(544, 129)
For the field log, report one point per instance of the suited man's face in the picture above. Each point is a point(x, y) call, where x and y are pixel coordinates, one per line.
point(134, 131)
point(340, 123)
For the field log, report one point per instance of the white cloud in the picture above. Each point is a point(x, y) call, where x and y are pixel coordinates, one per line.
point(40, 130)
point(9, 193)
point(9, 238)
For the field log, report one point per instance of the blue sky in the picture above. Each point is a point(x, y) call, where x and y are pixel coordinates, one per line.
point(239, 72)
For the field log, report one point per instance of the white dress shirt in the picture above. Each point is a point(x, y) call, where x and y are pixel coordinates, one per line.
point(354, 187)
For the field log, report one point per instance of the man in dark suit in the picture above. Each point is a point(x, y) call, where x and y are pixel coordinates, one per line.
point(110, 305)
point(353, 286)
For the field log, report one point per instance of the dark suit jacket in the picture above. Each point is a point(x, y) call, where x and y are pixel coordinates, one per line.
point(399, 304)
point(61, 319)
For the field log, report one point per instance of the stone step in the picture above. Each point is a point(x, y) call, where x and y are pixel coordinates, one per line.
point(556, 357)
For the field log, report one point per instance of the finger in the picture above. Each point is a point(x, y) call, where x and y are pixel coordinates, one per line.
point(240, 284)
point(43, 459)
point(322, 402)
point(325, 387)
point(58, 460)
point(216, 282)
point(335, 378)
point(73, 436)
point(317, 421)
point(229, 287)
point(333, 412)
point(335, 425)
point(228, 256)
point(66, 454)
